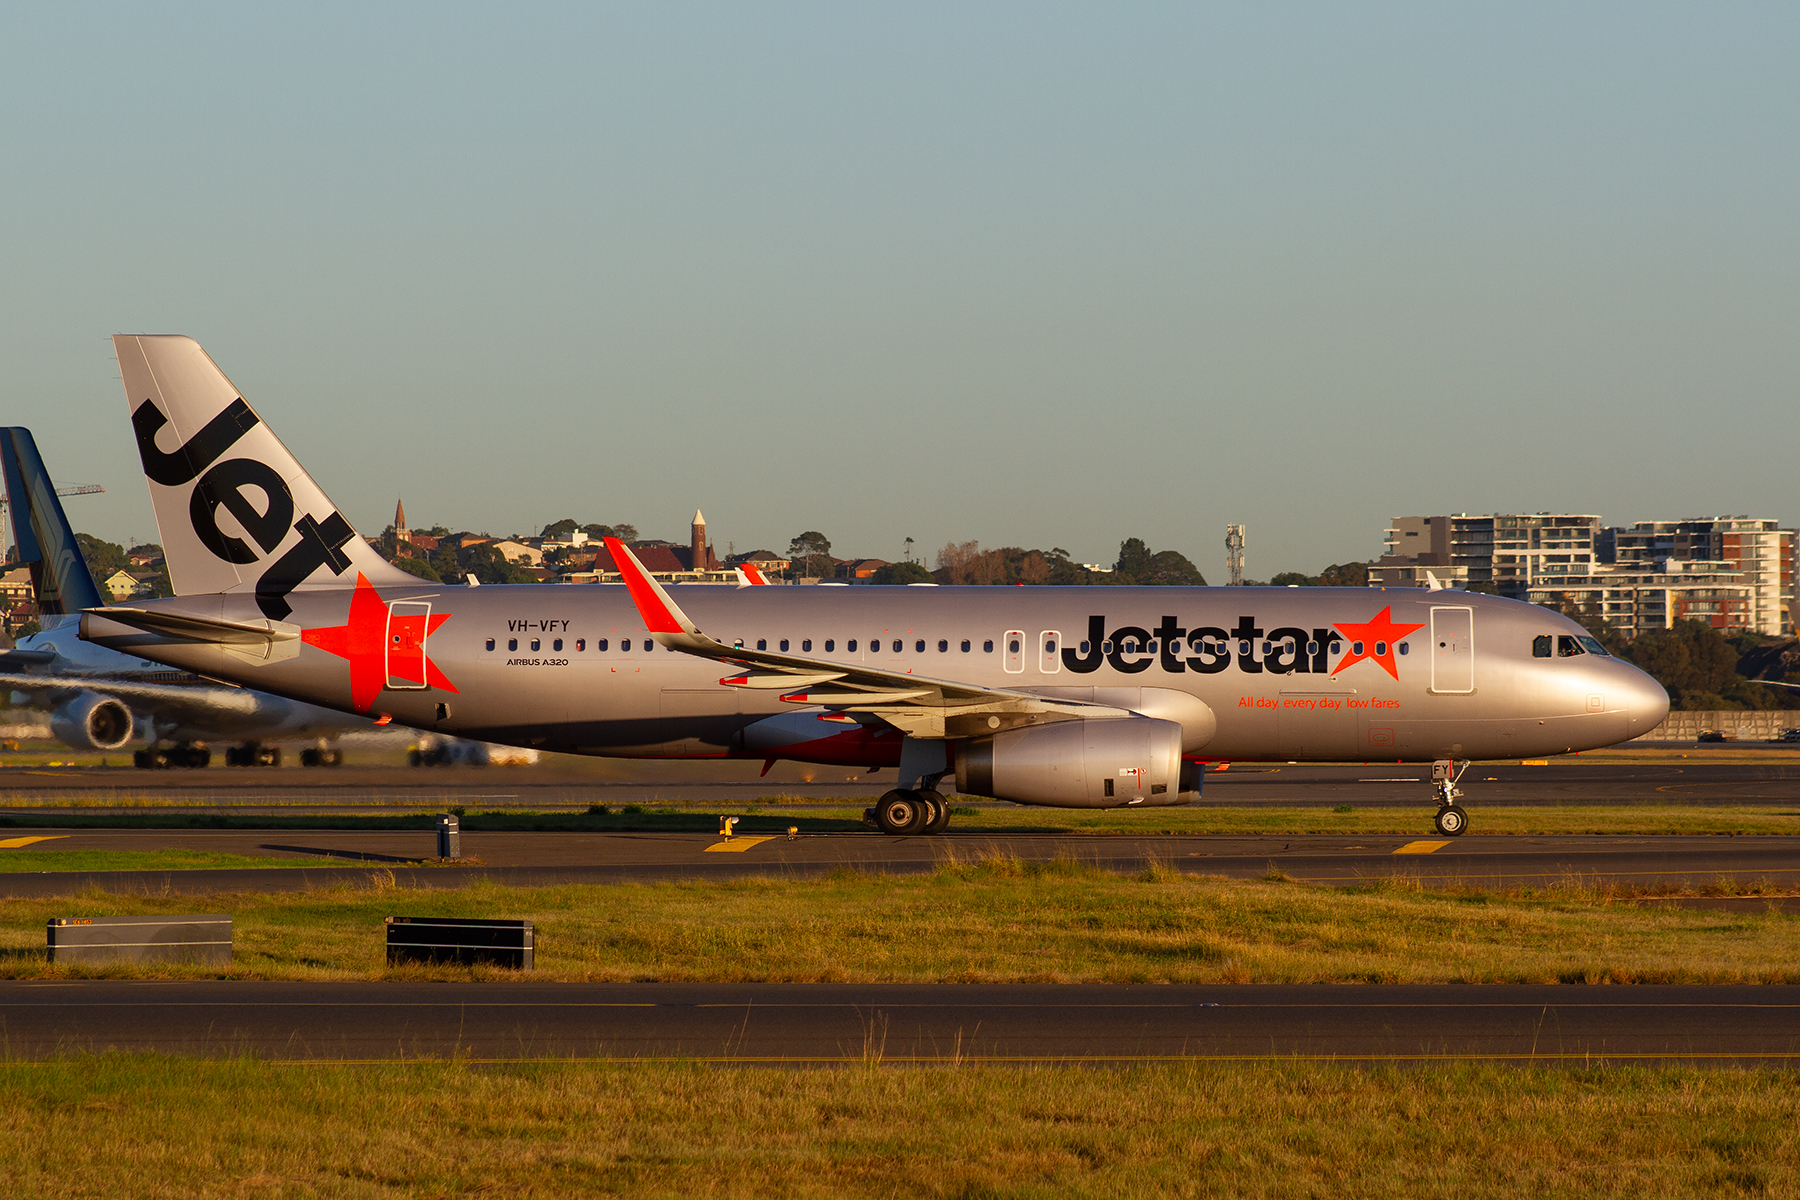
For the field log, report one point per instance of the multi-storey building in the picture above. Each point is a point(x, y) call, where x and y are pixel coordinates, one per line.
point(1734, 572)
point(1758, 551)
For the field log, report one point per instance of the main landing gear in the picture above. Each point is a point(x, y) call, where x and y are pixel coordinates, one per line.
point(906, 811)
point(1452, 819)
point(184, 754)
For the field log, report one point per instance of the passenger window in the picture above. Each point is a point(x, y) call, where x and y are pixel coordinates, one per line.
point(1404, 647)
point(1106, 647)
point(1313, 648)
point(1084, 649)
point(1381, 647)
point(556, 645)
point(1012, 647)
point(1267, 647)
point(784, 645)
point(1356, 647)
point(762, 643)
point(1540, 646)
point(625, 645)
point(943, 646)
point(490, 643)
point(919, 647)
point(1050, 646)
point(898, 645)
point(1567, 647)
point(1150, 646)
point(830, 645)
point(1243, 647)
point(580, 644)
point(512, 643)
point(535, 644)
point(600, 645)
point(1337, 647)
point(850, 646)
point(965, 646)
point(805, 646)
point(987, 647)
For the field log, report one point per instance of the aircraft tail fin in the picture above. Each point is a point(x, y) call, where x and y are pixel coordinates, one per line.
point(59, 574)
point(234, 508)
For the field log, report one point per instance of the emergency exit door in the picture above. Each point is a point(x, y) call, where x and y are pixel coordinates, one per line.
point(1453, 650)
point(406, 626)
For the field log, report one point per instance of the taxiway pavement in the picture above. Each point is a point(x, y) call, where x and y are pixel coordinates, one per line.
point(1705, 777)
point(934, 1023)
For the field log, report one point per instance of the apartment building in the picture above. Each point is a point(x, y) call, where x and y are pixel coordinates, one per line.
point(1734, 572)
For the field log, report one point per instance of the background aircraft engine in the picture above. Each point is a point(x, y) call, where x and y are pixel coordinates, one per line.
point(91, 722)
point(1078, 764)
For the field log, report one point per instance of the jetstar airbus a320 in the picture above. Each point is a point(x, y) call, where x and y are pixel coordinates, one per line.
point(1076, 697)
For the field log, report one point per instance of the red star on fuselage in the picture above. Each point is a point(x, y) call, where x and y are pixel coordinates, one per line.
point(364, 640)
point(1377, 639)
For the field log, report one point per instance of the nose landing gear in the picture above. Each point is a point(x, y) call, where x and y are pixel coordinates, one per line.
point(1452, 819)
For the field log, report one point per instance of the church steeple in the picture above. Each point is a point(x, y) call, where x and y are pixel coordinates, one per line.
point(402, 534)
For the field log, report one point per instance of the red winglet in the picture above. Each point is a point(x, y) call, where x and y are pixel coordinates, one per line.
point(656, 614)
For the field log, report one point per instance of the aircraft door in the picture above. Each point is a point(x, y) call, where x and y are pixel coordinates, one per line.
point(1453, 650)
point(1012, 646)
point(1049, 652)
point(406, 626)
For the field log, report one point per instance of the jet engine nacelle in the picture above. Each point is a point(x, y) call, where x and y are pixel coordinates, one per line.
point(92, 722)
point(1078, 764)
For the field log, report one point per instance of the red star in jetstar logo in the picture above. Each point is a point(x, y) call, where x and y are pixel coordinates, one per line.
point(1377, 639)
point(380, 645)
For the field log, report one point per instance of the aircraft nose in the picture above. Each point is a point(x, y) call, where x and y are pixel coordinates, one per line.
point(1646, 703)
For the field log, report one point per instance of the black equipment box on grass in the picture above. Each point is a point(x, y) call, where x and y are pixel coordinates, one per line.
point(202, 938)
point(458, 939)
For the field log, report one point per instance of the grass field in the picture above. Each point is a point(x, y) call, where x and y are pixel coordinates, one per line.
point(123, 1126)
point(996, 920)
point(13, 862)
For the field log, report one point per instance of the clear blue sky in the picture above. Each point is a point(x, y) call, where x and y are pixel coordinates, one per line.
point(1028, 275)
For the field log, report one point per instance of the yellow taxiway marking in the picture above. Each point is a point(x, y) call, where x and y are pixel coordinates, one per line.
point(1534, 762)
point(738, 845)
point(1421, 847)
point(15, 843)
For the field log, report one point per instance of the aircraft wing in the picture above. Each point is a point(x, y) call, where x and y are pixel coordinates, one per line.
point(918, 705)
point(216, 697)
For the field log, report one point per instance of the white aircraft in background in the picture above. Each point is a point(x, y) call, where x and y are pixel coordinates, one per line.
point(101, 699)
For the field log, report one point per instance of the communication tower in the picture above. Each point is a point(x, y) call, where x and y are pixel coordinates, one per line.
point(1234, 555)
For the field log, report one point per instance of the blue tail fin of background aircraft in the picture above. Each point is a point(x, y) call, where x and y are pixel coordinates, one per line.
point(59, 574)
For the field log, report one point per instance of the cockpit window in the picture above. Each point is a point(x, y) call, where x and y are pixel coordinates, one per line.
point(1568, 647)
point(1540, 646)
point(1593, 646)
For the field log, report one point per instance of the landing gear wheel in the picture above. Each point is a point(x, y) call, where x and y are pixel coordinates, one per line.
point(901, 813)
point(1452, 820)
point(940, 812)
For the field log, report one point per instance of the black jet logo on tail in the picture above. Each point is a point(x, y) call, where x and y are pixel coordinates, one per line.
point(222, 486)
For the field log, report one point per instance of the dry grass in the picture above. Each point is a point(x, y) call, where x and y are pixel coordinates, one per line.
point(126, 1127)
point(994, 920)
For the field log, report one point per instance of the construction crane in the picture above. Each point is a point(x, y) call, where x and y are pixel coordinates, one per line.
point(70, 489)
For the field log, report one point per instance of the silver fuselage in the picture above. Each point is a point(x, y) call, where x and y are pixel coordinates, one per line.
point(524, 665)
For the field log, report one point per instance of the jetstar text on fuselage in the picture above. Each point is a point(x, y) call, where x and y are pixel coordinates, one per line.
point(1210, 649)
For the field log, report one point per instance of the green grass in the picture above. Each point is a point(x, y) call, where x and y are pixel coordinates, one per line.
point(35, 860)
point(997, 920)
point(131, 1126)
